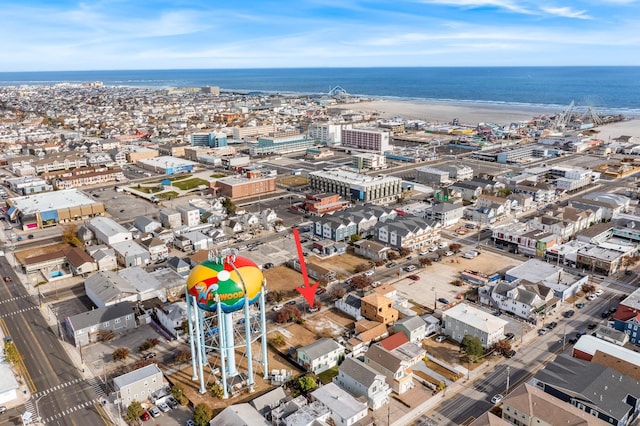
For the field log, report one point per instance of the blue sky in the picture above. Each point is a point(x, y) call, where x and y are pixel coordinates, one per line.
point(139, 34)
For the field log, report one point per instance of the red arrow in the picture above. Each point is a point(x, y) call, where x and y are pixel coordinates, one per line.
point(307, 290)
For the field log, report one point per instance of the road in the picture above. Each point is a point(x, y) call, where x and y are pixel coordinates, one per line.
point(60, 394)
point(475, 397)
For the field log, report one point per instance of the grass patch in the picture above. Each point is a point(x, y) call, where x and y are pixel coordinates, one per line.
point(167, 195)
point(191, 184)
point(218, 175)
point(328, 375)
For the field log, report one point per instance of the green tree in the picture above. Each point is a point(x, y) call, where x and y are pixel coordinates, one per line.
point(216, 390)
point(472, 347)
point(134, 411)
point(202, 414)
point(355, 237)
point(178, 393)
point(230, 206)
point(307, 384)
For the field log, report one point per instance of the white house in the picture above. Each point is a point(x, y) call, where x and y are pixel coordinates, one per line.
point(172, 316)
point(463, 319)
point(320, 355)
point(146, 224)
point(350, 304)
point(413, 327)
point(157, 249)
point(395, 369)
point(359, 379)
point(190, 215)
point(345, 409)
point(199, 241)
point(138, 385)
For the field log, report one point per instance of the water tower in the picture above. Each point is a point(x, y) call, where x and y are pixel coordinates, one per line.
point(226, 314)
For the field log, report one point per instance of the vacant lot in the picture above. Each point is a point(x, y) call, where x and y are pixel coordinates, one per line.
point(296, 335)
point(188, 184)
point(283, 278)
point(21, 255)
point(342, 265)
point(328, 324)
point(293, 181)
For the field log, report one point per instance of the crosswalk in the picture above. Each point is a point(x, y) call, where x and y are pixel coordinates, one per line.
point(13, 299)
point(96, 385)
point(19, 311)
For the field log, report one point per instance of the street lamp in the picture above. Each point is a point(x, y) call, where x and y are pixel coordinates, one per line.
point(435, 299)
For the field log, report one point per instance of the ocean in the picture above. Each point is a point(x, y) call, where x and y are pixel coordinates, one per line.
point(606, 89)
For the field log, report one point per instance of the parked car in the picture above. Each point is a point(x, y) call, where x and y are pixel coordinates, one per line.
point(569, 313)
point(509, 336)
point(592, 326)
point(172, 402)
point(145, 416)
point(441, 338)
point(149, 355)
point(542, 331)
point(580, 305)
point(190, 423)
point(164, 407)
point(573, 340)
point(449, 253)
point(442, 245)
point(154, 411)
point(3, 409)
point(321, 290)
point(277, 308)
point(510, 354)
point(291, 302)
point(375, 284)
point(7, 279)
point(496, 398)
point(267, 265)
point(605, 314)
point(443, 300)
point(414, 277)
point(591, 297)
point(423, 252)
point(552, 325)
point(410, 268)
point(598, 292)
point(368, 273)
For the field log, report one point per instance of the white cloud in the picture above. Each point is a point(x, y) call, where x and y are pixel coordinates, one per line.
point(511, 6)
point(566, 12)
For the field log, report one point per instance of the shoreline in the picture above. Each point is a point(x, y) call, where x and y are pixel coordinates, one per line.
point(472, 115)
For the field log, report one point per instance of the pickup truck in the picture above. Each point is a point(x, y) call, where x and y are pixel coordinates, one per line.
point(7, 279)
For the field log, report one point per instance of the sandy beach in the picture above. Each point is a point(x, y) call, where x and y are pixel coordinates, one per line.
point(472, 115)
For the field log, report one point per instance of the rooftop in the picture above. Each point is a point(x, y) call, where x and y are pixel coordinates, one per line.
point(56, 200)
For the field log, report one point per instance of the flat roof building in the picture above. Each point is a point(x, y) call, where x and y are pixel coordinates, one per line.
point(353, 186)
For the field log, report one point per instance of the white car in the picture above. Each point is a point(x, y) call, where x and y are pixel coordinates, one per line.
point(375, 284)
point(423, 252)
point(410, 268)
point(368, 273)
point(592, 297)
point(442, 245)
point(449, 253)
point(433, 248)
point(277, 308)
point(441, 338)
point(598, 292)
point(496, 398)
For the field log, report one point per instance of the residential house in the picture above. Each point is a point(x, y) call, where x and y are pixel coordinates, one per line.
point(366, 332)
point(598, 390)
point(104, 257)
point(398, 344)
point(463, 319)
point(502, 206)
point(190, 215)
point(432, 323)
point(528, 405)
point(268, 401)
point(608, 354)
point(350, 304)
point(468, 191)
point(86, 327)
point(483, 215)
point(180, 266)
point(320, 355)
point(146, 224)
point(407, 232)
point(371, 250)
point(172, 316)
point(359, 379)
point(446, 214)
point(80, 262)
point(138, 385)
point(627, 317)
point(522, 298)
point(170, 218)
point(541, 192)
point(158, 251)
point(345, 409)
point(375, 307)
point(334, 228)
point(611, 204)
point(396, 370)
point(413, 327)
point(199, 241)
point(146, 284)
point(242, 414)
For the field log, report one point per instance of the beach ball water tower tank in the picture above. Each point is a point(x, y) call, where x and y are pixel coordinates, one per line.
point(226, 315)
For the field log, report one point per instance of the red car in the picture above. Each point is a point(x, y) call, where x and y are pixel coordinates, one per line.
point(414, 277)
point(321, 291)
point(145, 416)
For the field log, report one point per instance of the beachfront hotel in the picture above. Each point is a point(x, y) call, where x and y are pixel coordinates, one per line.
point(353, 186)
point(366, 139)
